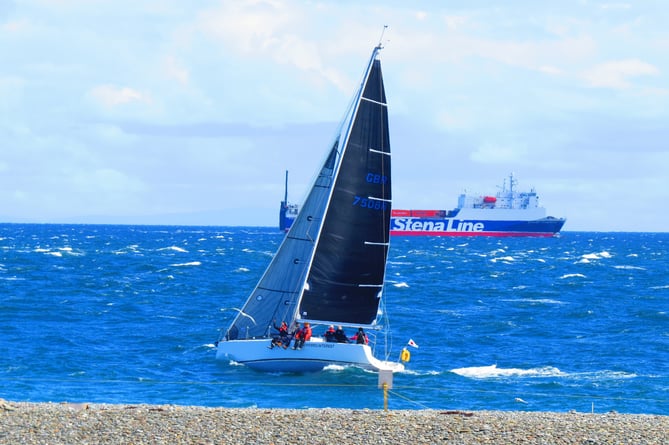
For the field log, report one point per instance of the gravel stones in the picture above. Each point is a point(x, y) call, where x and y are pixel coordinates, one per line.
point(66, 423)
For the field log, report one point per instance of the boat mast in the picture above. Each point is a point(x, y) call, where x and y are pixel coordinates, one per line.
point(341, 149)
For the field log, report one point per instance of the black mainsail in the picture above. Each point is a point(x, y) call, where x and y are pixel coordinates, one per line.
point(347, 272)
point(330, 267)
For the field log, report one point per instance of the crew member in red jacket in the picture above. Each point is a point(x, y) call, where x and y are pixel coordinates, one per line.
point(281, 339)
point(302, 335)
point(360, 337)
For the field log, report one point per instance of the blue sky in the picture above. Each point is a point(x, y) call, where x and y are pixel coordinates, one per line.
point(173, 112)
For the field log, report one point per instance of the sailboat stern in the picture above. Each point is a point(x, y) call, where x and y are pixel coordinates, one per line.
point(313, 357)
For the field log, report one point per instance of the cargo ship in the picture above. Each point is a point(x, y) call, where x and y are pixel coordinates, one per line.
point(507, 213)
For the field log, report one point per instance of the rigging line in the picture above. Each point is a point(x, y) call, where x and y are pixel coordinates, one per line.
point(178, 382)
point(272, 289)
point(319, 385)
point(409, 400)
point(241, 312)
point(299, 238)
point(537, 394)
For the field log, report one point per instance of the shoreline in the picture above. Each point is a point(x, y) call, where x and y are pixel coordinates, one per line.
point(38, 423)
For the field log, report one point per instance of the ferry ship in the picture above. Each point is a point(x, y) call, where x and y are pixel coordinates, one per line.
point(507, 213)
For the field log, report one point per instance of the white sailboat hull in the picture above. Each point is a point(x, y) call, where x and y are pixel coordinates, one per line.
point(313, 357)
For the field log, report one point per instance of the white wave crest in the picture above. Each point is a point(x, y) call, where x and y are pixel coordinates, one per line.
point(503, 258)
point(535, 300)
point(605, 375)
point(336, 368)
point(174, 248)
point(572, 275)
point(595, 256)
point(492, 371)
point(192, 263)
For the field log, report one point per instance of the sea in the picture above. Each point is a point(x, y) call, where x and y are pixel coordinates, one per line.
point(124, 314)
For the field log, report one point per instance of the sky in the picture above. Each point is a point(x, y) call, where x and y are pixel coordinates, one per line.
point(174, 112)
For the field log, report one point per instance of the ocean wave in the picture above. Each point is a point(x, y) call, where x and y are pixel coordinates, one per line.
point(132, 248)
point(401, 284)
point(414, 372)
point(596, 256)
point(604, 375)
point(503, 258)
point(629, 267)
point(173, 248)
point(492, 371)
point(535, 300)
point(192, 263)
point(400, 263)
point(572, 275)
point(335, 368)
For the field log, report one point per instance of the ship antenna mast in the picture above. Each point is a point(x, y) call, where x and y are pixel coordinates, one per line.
point(285, 196)
point(383, 31)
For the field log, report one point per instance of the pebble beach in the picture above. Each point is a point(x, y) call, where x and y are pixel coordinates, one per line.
point(81, 423)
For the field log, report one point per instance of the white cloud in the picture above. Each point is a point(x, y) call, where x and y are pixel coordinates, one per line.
point(175, 70)
point(421, 15)
point(454, 22)
point(493, 153)
point(617, 74)
point(16, 26)
point(618, 6)
point(108, 180)
point(112, 95)
point(550, 70)
point(249, 26)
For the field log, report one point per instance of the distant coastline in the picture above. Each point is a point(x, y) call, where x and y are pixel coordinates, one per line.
point(254, 227)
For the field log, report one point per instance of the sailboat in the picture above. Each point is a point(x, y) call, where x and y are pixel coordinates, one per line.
point(330, 267)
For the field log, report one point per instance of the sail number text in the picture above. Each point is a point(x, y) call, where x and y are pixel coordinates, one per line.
point(375, 178)
point(367, 203)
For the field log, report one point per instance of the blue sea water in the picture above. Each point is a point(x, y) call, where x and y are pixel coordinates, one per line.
point(130, 314)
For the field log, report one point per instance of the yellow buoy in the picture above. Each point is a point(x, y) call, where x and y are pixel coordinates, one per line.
point(405, 356)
